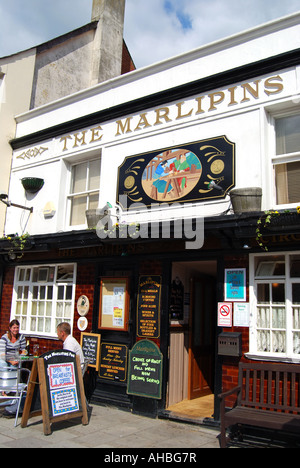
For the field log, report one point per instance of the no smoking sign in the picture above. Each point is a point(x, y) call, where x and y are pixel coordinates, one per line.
point(224, 314)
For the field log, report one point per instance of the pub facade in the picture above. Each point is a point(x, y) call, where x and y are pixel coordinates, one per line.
point(162, 217)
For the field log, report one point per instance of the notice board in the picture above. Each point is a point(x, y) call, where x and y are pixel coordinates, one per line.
point(148, 307)
point(145, 370)
point(90, 343)
point(114, 304)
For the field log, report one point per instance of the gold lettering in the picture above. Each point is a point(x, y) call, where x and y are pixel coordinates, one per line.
point(277, 87)
point(123, 128)
point(180, 115)
point(219, 98)
point(95, 134)
point(79, 139)
point(162, 113)
point(68, 137)
point(232, 100)
point(252, 91)
point(143, 121)
point(199, 110)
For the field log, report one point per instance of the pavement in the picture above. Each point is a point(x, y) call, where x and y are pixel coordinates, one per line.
point(116, 431)
point(108, 428)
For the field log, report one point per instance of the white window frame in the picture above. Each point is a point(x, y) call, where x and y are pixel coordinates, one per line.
point(70, 195)
point(289, 356)
point(282, 158)
point(31, 291)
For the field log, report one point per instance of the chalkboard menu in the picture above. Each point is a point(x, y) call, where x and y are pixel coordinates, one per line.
point(90, 343)
point(148, 307)
point(113, 362)
point(145, 370)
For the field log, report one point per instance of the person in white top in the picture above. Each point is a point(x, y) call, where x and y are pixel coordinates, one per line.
point(69, 342)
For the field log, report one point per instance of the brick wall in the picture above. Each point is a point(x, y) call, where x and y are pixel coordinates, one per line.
point(230, 364)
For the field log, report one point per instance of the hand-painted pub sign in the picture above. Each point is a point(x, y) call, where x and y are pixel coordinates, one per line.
point(178, 174)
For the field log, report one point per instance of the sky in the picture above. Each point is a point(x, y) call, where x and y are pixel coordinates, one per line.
point(154, 30)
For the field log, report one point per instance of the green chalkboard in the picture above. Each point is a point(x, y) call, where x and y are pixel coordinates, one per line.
point(145, 370)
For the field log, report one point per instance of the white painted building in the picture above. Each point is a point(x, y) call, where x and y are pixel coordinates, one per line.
point(226, 113)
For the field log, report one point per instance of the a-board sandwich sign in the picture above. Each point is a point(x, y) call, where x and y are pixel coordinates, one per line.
point(62, 382)
point(58, 377)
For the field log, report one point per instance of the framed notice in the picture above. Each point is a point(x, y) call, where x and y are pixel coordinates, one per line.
point(114, 304)
point(235, 284)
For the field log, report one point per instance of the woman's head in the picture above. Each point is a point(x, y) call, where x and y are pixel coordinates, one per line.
point(13, 329)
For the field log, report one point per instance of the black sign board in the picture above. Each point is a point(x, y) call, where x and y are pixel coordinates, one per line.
point(113, 362)
point(148, 307)
point(178, 174)
point(145, 370)
point(90, 343)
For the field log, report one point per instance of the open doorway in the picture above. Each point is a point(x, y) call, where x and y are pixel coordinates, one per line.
point(192, 339)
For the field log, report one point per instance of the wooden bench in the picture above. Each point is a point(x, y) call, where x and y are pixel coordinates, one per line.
point(268, 396)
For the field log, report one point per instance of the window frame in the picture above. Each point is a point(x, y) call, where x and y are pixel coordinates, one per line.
point(288, 280)
point(87, 192)
point(279, 159)
point(33, 291)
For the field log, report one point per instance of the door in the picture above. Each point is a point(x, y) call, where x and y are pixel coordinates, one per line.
point(202, 337)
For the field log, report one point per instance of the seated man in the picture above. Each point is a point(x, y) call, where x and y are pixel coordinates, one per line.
point(69, 342)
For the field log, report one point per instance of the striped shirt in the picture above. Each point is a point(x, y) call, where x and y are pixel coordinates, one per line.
point(9, 350)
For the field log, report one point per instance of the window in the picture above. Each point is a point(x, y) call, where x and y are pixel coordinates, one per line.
point(84, 191)
point(287, 160)
point(43, 297)
point(275, 302)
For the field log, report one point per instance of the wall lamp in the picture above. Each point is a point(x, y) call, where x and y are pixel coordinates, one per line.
point(213, 185)
point(4, 199)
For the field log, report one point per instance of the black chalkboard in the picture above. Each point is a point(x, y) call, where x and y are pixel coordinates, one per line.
point(145, 370)
point(113, 362)
point(90, 343)
point(148, 307)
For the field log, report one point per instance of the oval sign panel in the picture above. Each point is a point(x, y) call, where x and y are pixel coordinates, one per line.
point(171, 175)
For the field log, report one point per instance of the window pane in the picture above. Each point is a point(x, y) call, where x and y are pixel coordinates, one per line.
point(270, 266)
point(295, 266)
point(288, 134)
point(93, 201)
point(78, 208)
point(263, 341)
point(79, 175)
point(287, 182)
point(263, 293)
point(94, 175)
point(296, 294)
point(278, 293)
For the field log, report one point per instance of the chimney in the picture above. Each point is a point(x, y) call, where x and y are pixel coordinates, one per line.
point(108, 41)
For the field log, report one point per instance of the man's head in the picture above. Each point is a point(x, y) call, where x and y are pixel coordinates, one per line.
point(63, 330)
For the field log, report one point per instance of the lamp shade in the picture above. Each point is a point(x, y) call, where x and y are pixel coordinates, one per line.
point(32, 184)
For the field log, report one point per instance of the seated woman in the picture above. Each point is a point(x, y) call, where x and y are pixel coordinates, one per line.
point(11, 345)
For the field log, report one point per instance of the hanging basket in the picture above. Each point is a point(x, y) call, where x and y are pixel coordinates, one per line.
point(32, 184)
